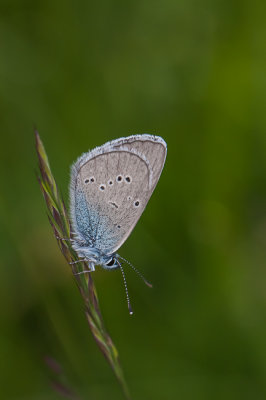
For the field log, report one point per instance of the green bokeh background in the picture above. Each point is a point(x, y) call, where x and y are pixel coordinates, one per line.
point(87, 72)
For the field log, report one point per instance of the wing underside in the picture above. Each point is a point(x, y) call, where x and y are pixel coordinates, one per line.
point(110, 189)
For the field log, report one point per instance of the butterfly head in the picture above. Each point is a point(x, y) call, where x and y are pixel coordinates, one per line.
point(95, 256)
point(110, 262)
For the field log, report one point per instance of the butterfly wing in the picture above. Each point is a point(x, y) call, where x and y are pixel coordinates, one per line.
point(110, 188)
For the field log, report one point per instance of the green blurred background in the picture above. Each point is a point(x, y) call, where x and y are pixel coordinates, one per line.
point(87, 72)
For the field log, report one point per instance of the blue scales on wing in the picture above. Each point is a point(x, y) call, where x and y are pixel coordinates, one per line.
point(95, 228)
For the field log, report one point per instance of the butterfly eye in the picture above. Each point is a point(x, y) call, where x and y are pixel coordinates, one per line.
point(111, 262)
point(128, 179)
point(119, 178)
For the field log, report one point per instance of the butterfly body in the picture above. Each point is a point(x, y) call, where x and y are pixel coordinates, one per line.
point(110, 187)
point(95, 257)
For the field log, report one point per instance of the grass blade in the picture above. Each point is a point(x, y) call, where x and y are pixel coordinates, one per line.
point(61, 226)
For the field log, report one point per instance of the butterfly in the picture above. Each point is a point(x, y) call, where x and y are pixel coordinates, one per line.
point(109, 190)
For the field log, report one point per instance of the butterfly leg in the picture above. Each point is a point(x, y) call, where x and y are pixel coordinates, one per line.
point(91, 266)
point(76, 262)
point(64, 239)
point(91, 269)
point(82, 272)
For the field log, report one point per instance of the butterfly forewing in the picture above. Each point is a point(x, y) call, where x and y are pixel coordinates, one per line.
point(152, 149)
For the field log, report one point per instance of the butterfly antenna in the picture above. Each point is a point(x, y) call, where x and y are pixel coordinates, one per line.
point(137, 272)
point(125, 284)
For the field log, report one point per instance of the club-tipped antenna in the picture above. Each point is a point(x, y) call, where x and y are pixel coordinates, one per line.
point(126, 289)
point(137, 272)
